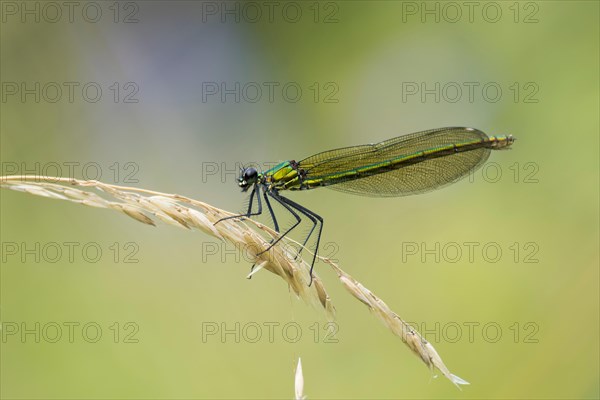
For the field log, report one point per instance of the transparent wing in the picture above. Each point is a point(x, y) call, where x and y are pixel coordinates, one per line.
point(421, 177)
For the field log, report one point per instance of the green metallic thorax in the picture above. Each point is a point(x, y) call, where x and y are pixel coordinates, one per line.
point(282, 176)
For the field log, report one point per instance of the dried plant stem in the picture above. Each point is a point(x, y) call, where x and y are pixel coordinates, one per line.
point(148, 206)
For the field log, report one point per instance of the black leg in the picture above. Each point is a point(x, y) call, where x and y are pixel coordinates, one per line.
point(255, 189)
point(312, 229)
point(313, 217)
point(250, 201)
point(290, 206)
point(279, 199)
point(275, 224)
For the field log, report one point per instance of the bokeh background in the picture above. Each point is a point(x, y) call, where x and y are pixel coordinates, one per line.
point(532, 308)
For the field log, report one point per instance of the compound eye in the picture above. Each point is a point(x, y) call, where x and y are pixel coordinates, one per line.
point(250, 174)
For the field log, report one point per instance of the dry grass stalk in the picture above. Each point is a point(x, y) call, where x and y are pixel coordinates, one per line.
point(148, 206)
point(419, 345)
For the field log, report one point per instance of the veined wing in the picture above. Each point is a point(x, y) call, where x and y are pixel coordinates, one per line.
point(332, 166)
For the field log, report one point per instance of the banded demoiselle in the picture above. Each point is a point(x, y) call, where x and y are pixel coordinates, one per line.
point(405, 165)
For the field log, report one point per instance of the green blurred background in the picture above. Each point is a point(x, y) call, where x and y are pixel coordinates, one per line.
point(533, 308)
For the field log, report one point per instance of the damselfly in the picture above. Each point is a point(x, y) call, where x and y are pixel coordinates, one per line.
point(409, 164)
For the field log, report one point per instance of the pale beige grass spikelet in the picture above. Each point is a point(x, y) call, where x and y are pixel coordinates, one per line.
point(148, 206)
point(299, 382)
